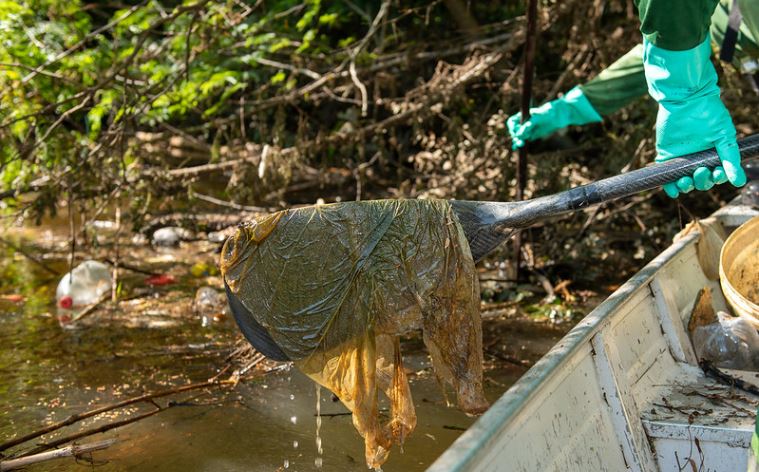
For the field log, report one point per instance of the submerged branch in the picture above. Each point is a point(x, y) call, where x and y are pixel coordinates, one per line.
point(130, 401)
point(28, 256)
point(98, 429)
point(75, 450)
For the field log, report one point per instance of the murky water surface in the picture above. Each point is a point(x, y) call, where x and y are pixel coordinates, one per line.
point(265, 424)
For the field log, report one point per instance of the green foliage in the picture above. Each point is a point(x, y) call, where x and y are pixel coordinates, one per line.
point(556, 311)
point(74, 77)
point(83, 83)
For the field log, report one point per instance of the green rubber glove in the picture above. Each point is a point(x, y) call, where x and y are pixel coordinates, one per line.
point(571, 109)
point(691, 115)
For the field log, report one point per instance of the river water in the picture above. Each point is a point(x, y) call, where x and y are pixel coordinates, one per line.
point(266, 423)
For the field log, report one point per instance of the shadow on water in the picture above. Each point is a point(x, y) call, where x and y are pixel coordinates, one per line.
point(48, 373)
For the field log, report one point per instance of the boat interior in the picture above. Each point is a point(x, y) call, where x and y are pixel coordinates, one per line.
point(623, 390)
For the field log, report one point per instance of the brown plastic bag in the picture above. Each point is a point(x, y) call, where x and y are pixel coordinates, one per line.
point(334, 285)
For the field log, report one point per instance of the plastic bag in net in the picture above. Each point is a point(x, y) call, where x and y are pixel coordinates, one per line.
point(334, 285)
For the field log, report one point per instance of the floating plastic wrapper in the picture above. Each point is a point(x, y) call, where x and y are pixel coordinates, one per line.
point(334, 286)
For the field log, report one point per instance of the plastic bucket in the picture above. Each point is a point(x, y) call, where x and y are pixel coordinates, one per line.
point(739, 270)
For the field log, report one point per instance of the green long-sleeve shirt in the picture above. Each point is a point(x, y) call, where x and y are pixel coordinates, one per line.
point(675, 25)
point(625, 81)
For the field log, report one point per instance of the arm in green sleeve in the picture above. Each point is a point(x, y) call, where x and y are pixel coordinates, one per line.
point(675, 25)
point(747, 46)
point(619, 84)
point(615, 87)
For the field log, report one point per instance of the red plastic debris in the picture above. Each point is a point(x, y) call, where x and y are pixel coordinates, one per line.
point(160, 279)
point(66, 302)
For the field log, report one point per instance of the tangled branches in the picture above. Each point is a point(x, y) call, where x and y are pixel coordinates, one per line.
point(283, 103)
point(153, 100)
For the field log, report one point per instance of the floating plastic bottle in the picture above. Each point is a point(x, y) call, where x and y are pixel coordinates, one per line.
point(218, 236)
point(750, 194)
point(170, 236)
point(209, 305)
point(84, 285)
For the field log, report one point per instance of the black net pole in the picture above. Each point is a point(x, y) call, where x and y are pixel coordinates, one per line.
point(521, 174)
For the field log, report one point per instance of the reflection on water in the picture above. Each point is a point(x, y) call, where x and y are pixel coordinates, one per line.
point(270, 423)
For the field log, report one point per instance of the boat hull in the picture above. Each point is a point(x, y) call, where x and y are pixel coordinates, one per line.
point(622, 390)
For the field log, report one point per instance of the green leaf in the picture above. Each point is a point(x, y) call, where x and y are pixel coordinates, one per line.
point(95, 116)
point(278, 77)
point(223, 100)
point(344, 43)
point(281, 44)
point(308, 17)
point(307, 39)
point(330, 19)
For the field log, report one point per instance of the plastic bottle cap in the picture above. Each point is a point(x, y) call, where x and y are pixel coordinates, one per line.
point(66, 302)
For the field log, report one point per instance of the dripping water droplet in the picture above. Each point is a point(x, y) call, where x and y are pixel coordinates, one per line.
point(319, 451)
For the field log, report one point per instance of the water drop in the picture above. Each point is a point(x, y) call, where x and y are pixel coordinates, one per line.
point(292, 397)
point(295, 444)
point(287, 464)
point(319, 450)
point(294, 419)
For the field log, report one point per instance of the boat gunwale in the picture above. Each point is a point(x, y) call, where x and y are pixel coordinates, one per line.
point(466, 448)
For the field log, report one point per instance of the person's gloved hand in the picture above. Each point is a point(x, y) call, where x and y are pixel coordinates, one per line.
point(571, 109)
point(691, 115)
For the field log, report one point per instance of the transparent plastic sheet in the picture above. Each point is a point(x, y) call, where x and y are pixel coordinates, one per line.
point(335, 285)
point(731, 342)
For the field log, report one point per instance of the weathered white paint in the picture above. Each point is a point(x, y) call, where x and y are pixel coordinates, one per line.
point(671, 325)
point(619, 391)
point(630, 434)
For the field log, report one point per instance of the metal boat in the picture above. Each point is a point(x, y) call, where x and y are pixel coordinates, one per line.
point(623, 389)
